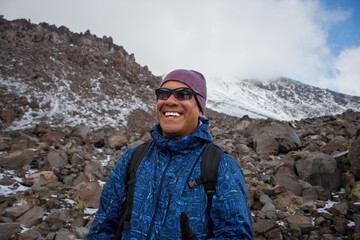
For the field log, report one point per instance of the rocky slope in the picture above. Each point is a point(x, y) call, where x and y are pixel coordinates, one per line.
point(52, 75)
point(303, 177)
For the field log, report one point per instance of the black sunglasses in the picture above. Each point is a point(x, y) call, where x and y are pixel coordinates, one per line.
point(181, 93)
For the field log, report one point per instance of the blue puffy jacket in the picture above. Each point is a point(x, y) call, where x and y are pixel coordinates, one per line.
point(162, 193)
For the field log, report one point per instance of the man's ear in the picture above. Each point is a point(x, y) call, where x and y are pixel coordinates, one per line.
point(200, 114)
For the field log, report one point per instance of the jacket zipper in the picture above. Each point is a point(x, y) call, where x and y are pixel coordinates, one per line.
point(158, 199)
point(169, 201)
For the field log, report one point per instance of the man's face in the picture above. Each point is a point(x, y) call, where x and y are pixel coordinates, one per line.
point(177, 118)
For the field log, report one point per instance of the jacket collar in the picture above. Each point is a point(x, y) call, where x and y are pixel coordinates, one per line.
point(189, 142)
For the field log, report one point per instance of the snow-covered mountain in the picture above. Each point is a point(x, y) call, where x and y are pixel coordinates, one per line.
point(51, 75)
point(283, 99)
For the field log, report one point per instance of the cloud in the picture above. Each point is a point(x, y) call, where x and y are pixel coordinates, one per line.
point(347, 79)
point(260, 39)
point(245, 39)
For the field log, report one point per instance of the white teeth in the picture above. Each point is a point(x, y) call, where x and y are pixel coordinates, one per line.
point(175, 114)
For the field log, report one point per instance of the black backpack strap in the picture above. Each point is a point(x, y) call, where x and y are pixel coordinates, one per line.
point(137, 157)
point(209, 173)
point(209, 169)
point(208, 178)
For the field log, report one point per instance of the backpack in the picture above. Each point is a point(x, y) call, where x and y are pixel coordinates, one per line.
point(208, 178)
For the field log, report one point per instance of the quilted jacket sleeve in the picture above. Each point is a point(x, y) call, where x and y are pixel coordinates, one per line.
point(111, 201)
point(230, 210)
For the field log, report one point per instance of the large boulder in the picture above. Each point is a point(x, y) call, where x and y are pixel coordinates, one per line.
point(16, 160)
point(271, 137)
point(354, 157)
point(319, 169)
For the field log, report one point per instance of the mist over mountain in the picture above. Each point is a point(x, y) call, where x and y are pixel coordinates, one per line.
point(49, 74)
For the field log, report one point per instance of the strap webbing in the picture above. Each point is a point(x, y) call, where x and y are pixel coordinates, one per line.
point(138, 155)
point(209, 169)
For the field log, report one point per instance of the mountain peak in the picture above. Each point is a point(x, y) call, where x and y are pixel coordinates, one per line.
point(282, 98)
point(51, 75)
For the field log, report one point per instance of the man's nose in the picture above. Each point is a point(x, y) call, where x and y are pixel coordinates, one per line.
point(171, 99)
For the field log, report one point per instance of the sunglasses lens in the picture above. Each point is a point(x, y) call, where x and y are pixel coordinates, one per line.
point(183, 94)
point(163, 93)
point(179, 93)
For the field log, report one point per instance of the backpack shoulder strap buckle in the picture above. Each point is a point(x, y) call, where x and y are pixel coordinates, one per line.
point(195, 182)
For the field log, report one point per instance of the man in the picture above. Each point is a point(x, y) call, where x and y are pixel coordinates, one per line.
point(161, 191)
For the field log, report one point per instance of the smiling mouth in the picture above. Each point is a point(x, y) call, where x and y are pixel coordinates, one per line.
point(172, 114)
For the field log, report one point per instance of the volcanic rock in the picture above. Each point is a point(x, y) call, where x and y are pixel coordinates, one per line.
point(32, 217)
point(16, 160)
point(9, 229)
point(354, 156)
point(319, 169)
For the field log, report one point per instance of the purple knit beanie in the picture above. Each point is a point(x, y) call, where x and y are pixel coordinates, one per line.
point(193, 79)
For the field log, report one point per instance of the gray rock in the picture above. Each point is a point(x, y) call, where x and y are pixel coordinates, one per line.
point(16, 211)
point(339, 209)
point(319, 169)
point(308, 206)
point(5, 220)
point(262, 226)
point(82, 232)
point(68, 180)
point(32, 217)
point(266, 143)
point(272, 137)
point(290, 182)
point(298, 219)
point(43, 178)
point(16, 160)
point(64, 234)
point(269, 210)
point(90, 194)
point(42, 228)
point(56, 159)
point(76, 159)
point(94, 167)
point(30, 235)
point(354, 156)
point(38, 34)
point(310, 194)
point(81, 131)
point(9, 229)
point(328, 237)
point(265, 199)
point(116, 141)
point(57, 218)
point(51, 236)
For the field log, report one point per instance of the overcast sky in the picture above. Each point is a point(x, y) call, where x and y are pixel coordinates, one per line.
point(313, 41)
